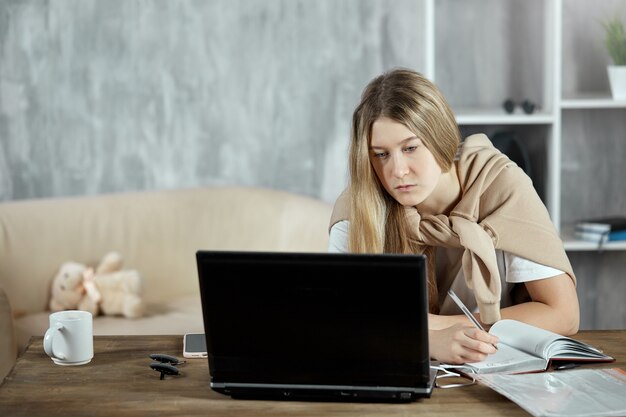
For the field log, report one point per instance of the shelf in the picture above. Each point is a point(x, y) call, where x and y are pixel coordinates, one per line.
point(580, 245)
point(493, 116)
point(597, 100)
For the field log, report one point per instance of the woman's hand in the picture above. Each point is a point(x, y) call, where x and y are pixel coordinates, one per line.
point(461, 343)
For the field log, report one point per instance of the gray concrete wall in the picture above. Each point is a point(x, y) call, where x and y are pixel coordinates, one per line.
point(99, 96)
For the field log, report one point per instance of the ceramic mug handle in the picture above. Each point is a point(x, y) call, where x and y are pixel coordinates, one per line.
point(47, 341)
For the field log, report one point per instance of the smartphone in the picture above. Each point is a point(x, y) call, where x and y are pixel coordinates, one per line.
point(194, 345)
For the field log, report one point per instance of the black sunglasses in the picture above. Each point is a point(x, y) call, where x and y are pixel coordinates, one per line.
point(527, 105)
point(165, 364)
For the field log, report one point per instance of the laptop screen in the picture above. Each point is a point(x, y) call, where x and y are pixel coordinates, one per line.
point(315, 318)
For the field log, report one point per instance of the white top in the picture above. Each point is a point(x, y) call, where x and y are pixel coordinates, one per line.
point(513, 269)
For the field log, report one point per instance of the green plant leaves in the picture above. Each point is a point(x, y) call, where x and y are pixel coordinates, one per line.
point(615, 40)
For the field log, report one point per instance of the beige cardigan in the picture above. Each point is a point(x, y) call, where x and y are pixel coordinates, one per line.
point(499, 209)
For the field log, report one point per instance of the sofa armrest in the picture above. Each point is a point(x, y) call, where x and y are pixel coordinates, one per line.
point(8, 343)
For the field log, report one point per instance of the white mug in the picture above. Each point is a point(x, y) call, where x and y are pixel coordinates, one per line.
point(69, 340)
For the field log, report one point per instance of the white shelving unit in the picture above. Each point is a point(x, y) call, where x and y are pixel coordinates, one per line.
point(599, 100)
point(549, 116)
point(487, 116)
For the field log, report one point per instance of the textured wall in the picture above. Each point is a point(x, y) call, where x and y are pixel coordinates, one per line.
point(99, 96)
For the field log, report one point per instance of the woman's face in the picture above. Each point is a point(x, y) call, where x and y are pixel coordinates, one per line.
point(403, 164)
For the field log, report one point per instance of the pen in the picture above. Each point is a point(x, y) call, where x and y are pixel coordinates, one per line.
point(465, 311)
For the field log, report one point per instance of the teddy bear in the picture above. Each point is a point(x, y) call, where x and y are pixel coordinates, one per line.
point(108, 289)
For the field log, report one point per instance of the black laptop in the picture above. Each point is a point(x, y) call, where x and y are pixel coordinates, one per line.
point(316, 326)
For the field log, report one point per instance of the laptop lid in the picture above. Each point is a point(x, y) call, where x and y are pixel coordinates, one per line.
point(322, 326)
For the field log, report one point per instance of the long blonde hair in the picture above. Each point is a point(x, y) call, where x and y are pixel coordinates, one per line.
point(378, 222)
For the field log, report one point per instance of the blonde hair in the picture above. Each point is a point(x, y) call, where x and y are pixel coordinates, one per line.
point(377, 221)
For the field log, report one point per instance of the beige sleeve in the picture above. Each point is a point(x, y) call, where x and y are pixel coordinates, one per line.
point(341, 210)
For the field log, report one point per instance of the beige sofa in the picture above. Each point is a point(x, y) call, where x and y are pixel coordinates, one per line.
point(157, 233)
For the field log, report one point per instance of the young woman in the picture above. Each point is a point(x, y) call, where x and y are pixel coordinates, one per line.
point(415, 188)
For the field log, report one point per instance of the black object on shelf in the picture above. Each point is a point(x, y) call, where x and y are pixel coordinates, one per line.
point(509, 106)
point(508, 143)
point(527, 106)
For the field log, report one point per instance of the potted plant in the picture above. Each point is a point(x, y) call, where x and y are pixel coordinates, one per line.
point(615, 42)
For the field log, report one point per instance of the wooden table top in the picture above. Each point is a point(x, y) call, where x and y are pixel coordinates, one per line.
point(119, 382)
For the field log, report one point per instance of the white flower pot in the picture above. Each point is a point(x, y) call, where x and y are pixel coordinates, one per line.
point(617, 79)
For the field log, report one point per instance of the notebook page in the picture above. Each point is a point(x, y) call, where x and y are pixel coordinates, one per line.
point(510, 360)
point(523, 336)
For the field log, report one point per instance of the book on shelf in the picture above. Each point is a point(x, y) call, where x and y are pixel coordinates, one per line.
point(602, 224)
point(526, 348)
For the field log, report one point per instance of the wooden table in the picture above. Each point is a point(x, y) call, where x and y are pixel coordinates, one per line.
point(119, 382)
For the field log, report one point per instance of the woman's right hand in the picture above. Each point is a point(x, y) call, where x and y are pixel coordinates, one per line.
point(461, 343)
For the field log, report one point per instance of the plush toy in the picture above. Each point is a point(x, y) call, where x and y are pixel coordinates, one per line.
point(108, 289)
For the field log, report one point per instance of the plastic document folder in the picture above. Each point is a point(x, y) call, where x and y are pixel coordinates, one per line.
point(573, 393)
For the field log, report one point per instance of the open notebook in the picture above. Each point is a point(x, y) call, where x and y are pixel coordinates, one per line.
point(525, 348)
point(316, 326)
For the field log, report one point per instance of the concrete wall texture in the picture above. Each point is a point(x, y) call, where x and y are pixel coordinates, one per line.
point(120, 95)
